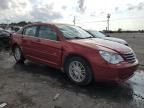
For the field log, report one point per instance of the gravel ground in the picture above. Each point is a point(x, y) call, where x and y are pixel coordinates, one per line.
point(32, 85)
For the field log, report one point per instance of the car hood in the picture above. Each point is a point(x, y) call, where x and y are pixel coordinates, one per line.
point(97, 43)
point(116, 40)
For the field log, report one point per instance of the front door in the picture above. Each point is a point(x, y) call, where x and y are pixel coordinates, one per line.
point(50, 48)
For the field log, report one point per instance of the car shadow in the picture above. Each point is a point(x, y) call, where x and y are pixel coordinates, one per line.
point(122, 92)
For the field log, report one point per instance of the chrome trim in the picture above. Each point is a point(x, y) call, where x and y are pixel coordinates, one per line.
point(130, 57)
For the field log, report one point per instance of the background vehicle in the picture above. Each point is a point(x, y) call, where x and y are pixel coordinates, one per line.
point(75, 51)
point(4, 38)
point(98, 34)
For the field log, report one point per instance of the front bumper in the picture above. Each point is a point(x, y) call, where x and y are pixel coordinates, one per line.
point(114, 73)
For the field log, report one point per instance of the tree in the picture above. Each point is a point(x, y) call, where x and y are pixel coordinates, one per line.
point(22, 23)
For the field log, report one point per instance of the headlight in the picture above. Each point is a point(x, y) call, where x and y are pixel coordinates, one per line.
point(112, 58)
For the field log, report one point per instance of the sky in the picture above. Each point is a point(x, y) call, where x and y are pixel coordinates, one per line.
point(89, 14)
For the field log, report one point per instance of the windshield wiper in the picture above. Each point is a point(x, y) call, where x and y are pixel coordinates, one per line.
point(78, 38)
point(89, 37)
point(69, 38)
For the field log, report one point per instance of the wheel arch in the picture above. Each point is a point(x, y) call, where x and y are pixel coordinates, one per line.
point(90, 73)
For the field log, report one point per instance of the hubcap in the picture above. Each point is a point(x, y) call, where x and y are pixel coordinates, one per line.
point(17, 53)
point(77, 71)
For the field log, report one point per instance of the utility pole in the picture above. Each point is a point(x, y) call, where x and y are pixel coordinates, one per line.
point(74, 20)
point(108, 17)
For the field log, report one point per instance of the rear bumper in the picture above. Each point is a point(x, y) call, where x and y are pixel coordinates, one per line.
point(114, 73)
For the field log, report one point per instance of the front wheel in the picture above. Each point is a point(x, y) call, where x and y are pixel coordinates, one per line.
point(78, 71)
point(18, 55)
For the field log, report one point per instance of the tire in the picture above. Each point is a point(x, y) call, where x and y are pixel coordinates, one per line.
point(18, 55)
point(78, 71)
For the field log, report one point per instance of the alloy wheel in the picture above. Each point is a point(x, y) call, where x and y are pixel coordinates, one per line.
point(77, 71)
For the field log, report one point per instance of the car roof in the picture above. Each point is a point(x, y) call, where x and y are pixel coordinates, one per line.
point(41, 23)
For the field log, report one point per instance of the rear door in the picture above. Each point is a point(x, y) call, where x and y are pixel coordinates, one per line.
point(50, 47)
point(29, 42)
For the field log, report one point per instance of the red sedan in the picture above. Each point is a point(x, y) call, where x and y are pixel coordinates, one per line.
point(71, 49)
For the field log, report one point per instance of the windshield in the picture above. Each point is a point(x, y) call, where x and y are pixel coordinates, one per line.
point(97, 34)
point(73, 32)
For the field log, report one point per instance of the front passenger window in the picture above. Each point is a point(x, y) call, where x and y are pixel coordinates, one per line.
point(47, 33)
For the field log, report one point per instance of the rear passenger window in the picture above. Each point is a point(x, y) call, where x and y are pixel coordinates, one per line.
point(47, 33)
point(30, 31)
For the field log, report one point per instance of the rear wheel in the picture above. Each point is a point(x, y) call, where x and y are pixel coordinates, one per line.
point(18, 55)
point(78, 71)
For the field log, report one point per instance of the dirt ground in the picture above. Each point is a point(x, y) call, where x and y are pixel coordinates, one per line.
point(33, 85)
